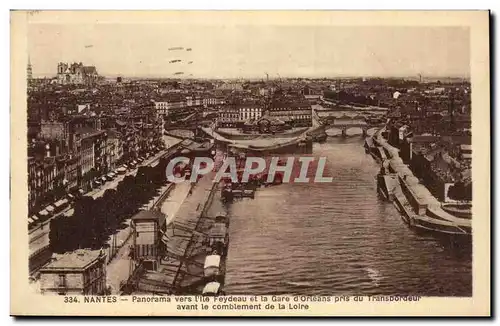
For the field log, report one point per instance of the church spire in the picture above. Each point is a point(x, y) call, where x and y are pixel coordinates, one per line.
point(29, 69)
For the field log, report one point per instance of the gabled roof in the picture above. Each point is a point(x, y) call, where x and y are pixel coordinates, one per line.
point(78, 259)
point(149, 215)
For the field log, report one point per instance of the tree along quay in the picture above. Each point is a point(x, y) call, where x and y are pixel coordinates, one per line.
point(156, 203)
point(184, 245)
point(93, 192)
point(94, 221)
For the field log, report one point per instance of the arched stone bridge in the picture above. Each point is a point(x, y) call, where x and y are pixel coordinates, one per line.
point(345, 123)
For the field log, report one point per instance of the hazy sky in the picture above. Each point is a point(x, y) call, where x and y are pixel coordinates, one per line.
point(251, 51)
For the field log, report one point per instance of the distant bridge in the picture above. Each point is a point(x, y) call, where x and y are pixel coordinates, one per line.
point(345, 123)
point(189, 127)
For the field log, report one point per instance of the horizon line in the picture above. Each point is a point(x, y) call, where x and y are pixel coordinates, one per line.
point(274, 78)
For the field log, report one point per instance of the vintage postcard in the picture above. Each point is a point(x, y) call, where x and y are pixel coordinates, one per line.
point(250, 163)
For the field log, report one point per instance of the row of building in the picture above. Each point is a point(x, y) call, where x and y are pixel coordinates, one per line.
point(290, 113)
point(165, 106)
point(237, 110)
point(440, 161)
point(70, 154)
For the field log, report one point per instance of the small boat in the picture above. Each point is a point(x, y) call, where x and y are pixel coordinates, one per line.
point(212, 265)
point(212, 289)
point(218, 233)
point(222, 218)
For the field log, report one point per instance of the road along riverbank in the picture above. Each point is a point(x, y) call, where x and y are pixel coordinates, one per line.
point(39, 245)
point(194, 246)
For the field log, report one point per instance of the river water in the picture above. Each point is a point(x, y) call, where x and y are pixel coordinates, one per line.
point(337, 238)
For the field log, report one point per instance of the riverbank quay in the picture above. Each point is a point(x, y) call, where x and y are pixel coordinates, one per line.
point(119, 261)
point(187, 242)
point(120, 269)
point(39, 245)
point(418, 207)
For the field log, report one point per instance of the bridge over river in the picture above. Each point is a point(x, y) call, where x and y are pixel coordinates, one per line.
point(345, 123)
point(325, 121)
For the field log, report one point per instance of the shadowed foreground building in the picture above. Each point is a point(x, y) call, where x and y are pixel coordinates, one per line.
point(81, 272)
point(148, 227)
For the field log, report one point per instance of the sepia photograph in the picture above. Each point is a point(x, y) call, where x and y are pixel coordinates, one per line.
point(225, 156)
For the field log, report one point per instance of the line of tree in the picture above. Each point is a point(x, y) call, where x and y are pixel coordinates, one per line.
point(95, 220)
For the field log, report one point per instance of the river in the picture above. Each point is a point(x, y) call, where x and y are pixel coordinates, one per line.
point(337, 238)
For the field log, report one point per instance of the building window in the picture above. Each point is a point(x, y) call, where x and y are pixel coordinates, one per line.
point(62, 281)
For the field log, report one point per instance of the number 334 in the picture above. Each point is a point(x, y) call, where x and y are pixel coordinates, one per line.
point(70, 300)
